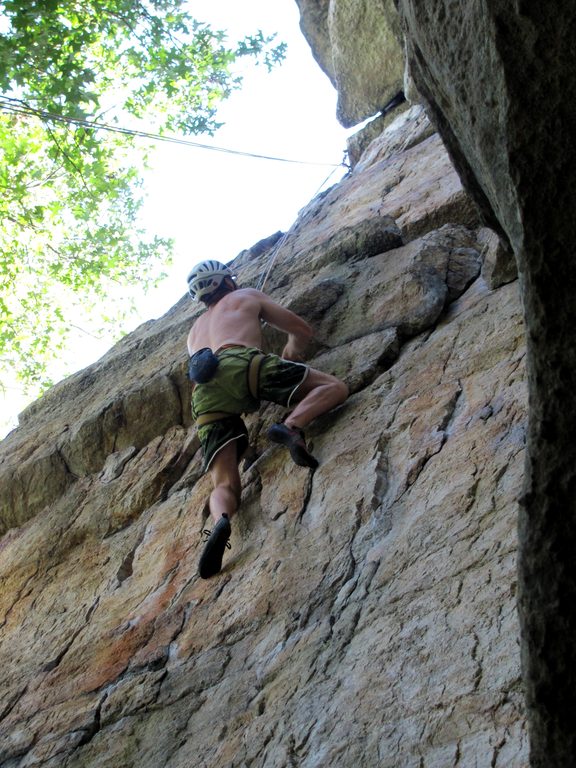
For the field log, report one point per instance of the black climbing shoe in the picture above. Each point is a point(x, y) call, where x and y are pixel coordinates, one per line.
point(293, 439)
point(211, 558)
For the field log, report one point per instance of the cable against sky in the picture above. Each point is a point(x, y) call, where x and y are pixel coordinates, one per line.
point(18, 107)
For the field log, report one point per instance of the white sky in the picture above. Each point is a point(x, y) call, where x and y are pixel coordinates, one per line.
point(213, 204)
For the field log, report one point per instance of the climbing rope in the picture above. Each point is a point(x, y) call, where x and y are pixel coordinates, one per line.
point(279, 243)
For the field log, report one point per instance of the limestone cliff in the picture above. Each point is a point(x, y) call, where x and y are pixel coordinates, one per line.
point(366, 613)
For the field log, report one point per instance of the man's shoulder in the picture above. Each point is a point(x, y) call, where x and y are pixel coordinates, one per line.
point(246, 294)
point(198, 319)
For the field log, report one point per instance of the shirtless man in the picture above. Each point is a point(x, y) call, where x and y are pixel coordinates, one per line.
point(231, 329)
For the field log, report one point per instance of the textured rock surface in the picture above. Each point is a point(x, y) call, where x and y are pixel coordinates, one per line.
point(366, 613)
point(499, 82)
point(352, 40)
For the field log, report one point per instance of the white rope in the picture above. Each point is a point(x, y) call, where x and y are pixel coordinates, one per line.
point(278, 245)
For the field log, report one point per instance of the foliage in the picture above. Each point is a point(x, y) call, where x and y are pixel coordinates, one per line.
point(70, 193)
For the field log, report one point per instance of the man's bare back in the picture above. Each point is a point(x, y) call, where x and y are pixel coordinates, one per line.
point(235, 319)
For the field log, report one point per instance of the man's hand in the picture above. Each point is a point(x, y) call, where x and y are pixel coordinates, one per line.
point(292, 352)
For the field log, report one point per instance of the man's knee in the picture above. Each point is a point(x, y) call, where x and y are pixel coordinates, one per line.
point(337, 390)
point(341, 391)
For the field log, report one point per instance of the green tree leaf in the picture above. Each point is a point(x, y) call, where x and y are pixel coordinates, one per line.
point(70, 194)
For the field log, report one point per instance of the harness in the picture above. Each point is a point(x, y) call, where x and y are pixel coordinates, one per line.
point(253, 376)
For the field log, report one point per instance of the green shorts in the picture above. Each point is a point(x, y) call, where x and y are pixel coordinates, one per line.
point(229, 393)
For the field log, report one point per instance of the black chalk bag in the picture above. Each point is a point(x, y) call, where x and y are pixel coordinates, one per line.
point(202, 366)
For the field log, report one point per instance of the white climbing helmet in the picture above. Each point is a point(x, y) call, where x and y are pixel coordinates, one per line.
point(206, 277)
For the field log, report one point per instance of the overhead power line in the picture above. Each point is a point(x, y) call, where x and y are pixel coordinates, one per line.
point(20, 108)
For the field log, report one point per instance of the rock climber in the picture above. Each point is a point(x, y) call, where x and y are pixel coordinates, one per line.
point(231, 376)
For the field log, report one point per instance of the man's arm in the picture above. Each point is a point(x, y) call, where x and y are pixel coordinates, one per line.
point(298, 330)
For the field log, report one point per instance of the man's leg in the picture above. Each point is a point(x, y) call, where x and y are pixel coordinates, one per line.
point(224, 501)
point(225, 476)
point(318, 393)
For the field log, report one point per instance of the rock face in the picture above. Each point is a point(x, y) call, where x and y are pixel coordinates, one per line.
point(352, 40)
point(498, 79)
point(498, 82)
point(366, 613)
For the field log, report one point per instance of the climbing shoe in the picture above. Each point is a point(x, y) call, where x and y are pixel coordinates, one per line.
point(293, 439)
point(211, 558)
